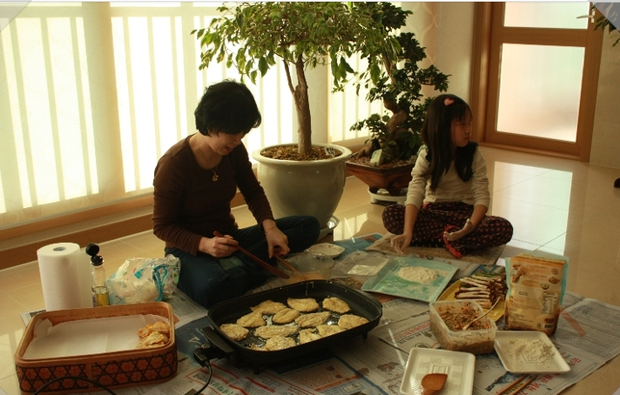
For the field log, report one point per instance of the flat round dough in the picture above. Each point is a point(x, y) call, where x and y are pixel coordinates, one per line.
point(269, 307)
point(308, 335)
point(417, 274)
point(252, 320)
point(328, 330)
point(312, 319)
point(269, 331)
point(279, 342)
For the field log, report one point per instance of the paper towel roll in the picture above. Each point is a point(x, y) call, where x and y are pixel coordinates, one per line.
point(65, 276)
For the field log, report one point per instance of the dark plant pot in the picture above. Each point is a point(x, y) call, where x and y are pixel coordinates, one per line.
point(392, 179)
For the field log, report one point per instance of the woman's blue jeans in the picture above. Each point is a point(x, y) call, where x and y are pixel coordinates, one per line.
point(209, 280)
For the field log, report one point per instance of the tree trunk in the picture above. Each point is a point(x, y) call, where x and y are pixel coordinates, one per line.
point(302, 105)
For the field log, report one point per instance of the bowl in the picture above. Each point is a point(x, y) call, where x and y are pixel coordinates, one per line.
point(475, 341)
point(329, 249)
point(310, 266)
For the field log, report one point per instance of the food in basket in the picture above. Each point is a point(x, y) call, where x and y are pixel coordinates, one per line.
point(235, 331)
point(158, 326)
point(336, 305)
point(252, 320)
point(279, 343)
point(154, 335)
point(483, 289)
point(304, 305)
point(349, 321)
point(285, 316)
point(269, 307)
point(312, 319)
point(269, 331)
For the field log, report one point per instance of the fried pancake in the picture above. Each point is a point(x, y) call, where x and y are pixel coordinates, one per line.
point(234, 331)
point(308, 335)
point(279, 343)
point(251, 320)
point(158, 326)
point(349, 321)
point(328, 330)
point(336, 305)
point(269, 307)
point(154, 339)
point(285, 316)
point(269, 331)
point(306, 305)
point(312, 319)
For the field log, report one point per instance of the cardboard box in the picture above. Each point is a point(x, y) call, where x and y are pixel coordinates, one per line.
point(115, 369)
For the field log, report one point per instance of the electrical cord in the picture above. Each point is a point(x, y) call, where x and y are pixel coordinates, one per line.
point(74, 378)
point(202, 357)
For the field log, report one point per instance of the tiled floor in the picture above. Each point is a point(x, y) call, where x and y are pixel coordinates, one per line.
point(561, 206)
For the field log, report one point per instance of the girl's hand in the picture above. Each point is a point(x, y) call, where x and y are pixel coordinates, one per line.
point(218, 247)
point(400, 242)
point(277, 241)
point(465, 230)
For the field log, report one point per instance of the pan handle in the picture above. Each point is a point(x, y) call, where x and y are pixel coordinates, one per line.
point(223, 348)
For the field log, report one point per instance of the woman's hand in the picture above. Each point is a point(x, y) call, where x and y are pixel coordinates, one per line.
point(400, 242)
point(277, 242)
point(465, 230)
point(218, 247)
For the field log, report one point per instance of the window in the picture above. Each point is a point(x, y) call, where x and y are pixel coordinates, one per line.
point(94, 93)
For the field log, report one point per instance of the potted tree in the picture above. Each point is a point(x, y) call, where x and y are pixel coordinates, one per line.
point(388, 158)
point(303, 35)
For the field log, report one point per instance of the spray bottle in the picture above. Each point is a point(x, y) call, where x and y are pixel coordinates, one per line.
point(101, 295)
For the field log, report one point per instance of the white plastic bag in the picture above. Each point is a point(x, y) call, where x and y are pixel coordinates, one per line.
point(140, 280)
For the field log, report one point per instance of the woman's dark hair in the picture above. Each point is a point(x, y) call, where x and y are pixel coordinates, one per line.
point(227, 107)
point(437, 135)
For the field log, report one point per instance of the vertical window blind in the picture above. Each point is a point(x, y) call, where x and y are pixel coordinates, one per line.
point(94, 93)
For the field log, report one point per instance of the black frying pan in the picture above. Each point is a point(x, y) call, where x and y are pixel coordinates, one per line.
point(229, 311)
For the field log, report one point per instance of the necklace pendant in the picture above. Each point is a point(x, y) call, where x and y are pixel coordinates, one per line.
point(215, 177)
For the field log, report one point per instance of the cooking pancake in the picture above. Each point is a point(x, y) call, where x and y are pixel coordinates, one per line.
point(279, 343)
point(285, 316)
point(328, 330)
point(312, 319)
point(269, 331)
point(251, 320)
point(308, 335)
point(336, 305)
point(269, 307)
point(304, 305)
point(234, 331)
point(349, 321)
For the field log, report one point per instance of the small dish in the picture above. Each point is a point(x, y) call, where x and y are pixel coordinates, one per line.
point(459, 366)
point(331, 250)
point(528, 358)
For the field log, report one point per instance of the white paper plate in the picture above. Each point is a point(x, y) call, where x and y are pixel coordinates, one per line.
point(331, 250)
point(521, 363)
point(459, 366)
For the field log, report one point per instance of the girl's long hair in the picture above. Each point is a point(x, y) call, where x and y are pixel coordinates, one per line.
point(437, 135)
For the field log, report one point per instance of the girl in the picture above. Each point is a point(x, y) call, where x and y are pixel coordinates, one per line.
point(448, 196)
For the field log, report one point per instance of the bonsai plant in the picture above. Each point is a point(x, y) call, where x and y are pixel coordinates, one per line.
point(398, 83)
point(303, 35)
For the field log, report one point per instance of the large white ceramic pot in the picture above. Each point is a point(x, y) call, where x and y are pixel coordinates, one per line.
point(303, 187)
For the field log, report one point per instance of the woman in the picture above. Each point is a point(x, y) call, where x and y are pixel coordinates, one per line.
point(195, 182)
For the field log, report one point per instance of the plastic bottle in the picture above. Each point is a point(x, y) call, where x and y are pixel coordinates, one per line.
point(101, 294)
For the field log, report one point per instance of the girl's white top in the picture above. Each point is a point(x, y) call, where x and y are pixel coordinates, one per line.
point(451, 188)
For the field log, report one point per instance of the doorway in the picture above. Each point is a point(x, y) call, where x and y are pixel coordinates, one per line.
point(535, 77)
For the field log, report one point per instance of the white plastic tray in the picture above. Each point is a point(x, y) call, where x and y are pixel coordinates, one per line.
point(459, 366)
point(520, 362)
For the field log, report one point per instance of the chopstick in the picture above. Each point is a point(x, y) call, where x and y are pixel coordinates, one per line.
point(514, 383)
point(256, 259)
point(286, 263)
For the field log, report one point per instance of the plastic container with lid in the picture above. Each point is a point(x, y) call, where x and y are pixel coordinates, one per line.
point(473, 340)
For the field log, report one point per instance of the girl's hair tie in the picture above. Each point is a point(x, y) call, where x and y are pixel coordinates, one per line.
point(447, 101)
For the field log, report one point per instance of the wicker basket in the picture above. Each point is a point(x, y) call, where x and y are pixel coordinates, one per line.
point(114, 369)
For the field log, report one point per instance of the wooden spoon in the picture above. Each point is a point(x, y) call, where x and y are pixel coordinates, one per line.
point(433, 382)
